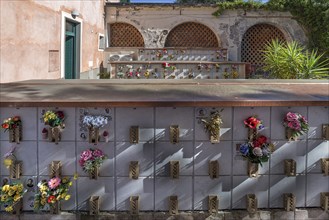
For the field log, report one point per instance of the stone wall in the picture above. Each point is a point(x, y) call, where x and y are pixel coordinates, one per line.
point(31, 37)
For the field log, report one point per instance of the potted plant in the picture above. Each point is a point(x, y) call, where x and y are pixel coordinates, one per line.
point(55, 121)
point(295, 125)
point(91, 160)
point(14, 127)
point(94, 123)
point(51, 192)
point(11, 195)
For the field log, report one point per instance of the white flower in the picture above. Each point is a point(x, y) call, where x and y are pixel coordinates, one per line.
point(95, 120)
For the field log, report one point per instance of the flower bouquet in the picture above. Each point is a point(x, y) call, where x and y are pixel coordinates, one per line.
point(55, 121)
point(258, 150)
point(11, 195)
point(295, 124)
point(14, 126)
point(212, 126)
point(91, 160)
point(51, 193)
point(94, 122)
point(254, 125)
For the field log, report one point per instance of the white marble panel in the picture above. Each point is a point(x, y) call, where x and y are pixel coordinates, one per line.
point(25, 151)
point(240, 132)
point(82, 131)
point(29, 122)
point(316, 183)
point(143, 187)
point(166, 152)
point(165, 187)
point(127, 117)
point(68, 134)
point(165, 117)
point(243, 185)
point(295, 150)
point(142, 152)
point(317, 116)
point(226, 127)
point(316, 149)
point(278, 131)
point(102, 187)
point(280, 184)
point(204, 186)
point(63, 151)
point(205, 152)
point(107, 168)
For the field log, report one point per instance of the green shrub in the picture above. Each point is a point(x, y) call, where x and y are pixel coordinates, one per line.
point(292, 61)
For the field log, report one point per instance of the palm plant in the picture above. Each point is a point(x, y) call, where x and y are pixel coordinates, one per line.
point(291, 61)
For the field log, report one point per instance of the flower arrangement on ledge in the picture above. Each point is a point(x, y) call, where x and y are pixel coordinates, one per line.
point(11, 194)
point(11, 123)
point(54, 118)
point(51, 192)
point(91, 160)
point(296, 125)
point(258, 150)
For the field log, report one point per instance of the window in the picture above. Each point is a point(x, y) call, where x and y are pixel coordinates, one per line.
point(101, 42)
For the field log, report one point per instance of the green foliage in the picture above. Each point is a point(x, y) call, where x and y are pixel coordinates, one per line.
point(200, 1)
point(291, 61)
point(312, 14)
point(104, 75)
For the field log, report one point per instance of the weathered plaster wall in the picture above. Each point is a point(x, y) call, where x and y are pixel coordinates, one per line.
point(31, 37)
point(230, 27)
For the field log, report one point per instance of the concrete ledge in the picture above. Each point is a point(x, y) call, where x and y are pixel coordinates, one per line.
point(274, 214)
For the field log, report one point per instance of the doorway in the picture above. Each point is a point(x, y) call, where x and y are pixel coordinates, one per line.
point(72, 50)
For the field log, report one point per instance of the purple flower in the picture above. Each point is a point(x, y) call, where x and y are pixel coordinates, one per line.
point(291, 116)
point(244, 149)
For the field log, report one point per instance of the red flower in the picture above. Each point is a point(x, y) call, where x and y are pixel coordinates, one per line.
point(256, 143)
point(262, 139)
point(16, 118)
point(60, 114)
point(51, 199)
point(5, 125)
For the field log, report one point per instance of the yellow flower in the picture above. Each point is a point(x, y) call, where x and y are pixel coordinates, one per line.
point(75, 177)
point(11, 192)
point(70, 183)
point(64, 180)
point(14, 188)
point(7, 162)
point(43, 202)
point(4, 198)
point(5, 188)
point(43, 188)
point(67, 197)
point(43, 194)
point(20, 188)
point(63, 195)
point(9, 209)
point(17, 197)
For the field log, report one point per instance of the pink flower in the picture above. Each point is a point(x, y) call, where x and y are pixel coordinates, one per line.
point(86, 155)
point(291, 116)
point(54, 182)
point(98, 153)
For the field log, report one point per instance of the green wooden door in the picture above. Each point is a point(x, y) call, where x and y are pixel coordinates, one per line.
point(72, 48)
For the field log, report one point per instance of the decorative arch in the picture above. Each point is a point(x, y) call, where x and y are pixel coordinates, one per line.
point(125, 35)
point(254, 41)
point(191, 34)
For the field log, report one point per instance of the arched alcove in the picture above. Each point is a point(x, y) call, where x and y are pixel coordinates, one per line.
point(254, 41)
point(125, 35)
point(191, 34)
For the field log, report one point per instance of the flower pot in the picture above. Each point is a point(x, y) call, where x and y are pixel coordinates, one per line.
point(93, 135)
point(93, 175)
point(54, 134)
point(252, 169)
point(55, 208)
point(252, 134)
point(290, 135)
point(215, 138)
point(15, 134)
